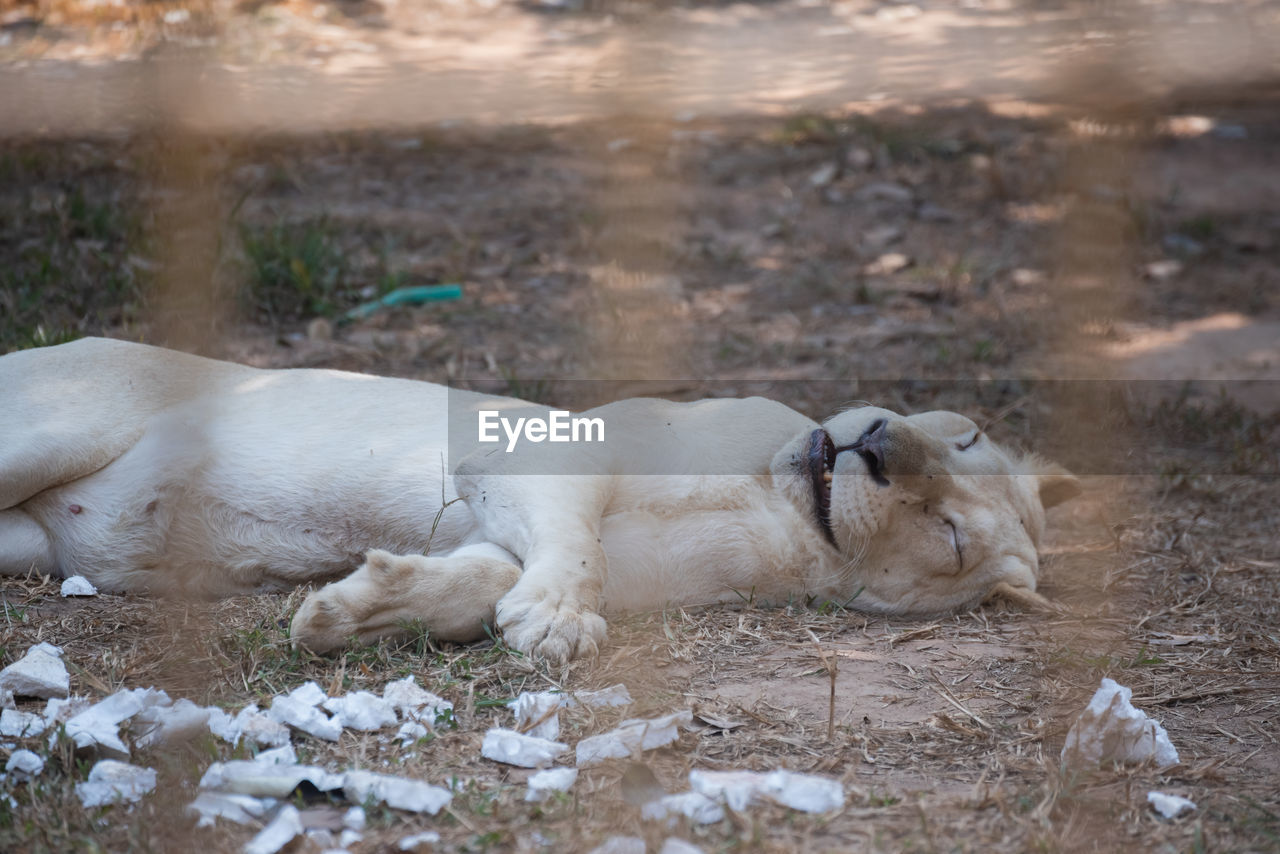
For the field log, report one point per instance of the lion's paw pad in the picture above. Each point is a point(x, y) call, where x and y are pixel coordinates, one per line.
point(549, 630)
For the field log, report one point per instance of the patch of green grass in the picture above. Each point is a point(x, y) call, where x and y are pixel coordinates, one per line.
point(294, 270)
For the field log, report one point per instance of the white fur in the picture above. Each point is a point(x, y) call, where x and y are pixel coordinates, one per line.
point(145, 469)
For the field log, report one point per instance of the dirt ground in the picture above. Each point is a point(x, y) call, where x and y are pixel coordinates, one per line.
point(1056, 267)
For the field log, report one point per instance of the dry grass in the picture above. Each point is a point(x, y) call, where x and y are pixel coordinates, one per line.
point(947, 731)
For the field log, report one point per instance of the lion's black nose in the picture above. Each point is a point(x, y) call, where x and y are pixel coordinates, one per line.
point(872, 442)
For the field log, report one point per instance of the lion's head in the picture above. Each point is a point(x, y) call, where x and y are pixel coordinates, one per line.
point(928, 513)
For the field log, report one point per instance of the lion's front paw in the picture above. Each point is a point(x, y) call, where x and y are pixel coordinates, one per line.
point(549, 626)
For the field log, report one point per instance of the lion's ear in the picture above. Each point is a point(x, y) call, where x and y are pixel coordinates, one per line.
point(1056, 483)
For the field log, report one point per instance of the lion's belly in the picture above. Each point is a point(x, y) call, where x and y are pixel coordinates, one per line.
point(222, 502)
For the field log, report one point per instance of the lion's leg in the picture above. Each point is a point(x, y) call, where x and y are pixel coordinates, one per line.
point(454, 597)
point(24, 545)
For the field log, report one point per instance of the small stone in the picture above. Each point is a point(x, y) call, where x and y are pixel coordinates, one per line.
point(887, 264)
point(618, 145)
point(1163, 269)
point(39, 673)
point(78, 585)
point(1023, 277)
point(823, 175)
point(1180, 244)
point(881, 236)
point(929, 212)
point(111, 781)
point(883, 191)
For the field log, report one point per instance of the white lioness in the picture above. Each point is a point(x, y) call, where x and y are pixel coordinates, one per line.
point(146, 469)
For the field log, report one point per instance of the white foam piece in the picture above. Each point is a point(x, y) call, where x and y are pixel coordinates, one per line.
point(538, 713)
point(78, 585)
point(98, 726)
point(349, 837)
point(514, 748)
point(400, 793)
point(411, 731)
point(238, 809)
point(6, 699)
point(1170, 806)
point(631, 737)
point(695, 806)
point(39, 673)
point(543, 783)
point(23, 765)
point(362, 711)
point(415, 703)
point(411, 843)
point(283, 829)
point(1110, 728)
point(304, 716)
point(160, 725)
point(266, 779)
point(110, 782)
point(620, 845)
point(16, 724)
point(675, 845)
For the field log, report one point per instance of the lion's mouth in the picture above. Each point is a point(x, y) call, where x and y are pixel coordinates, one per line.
point(821, 463)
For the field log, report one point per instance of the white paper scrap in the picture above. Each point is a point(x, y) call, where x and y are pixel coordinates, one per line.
point(362, 711)
point(1110, 728)
point(238, 809)
point(525, 751)
point(694, 806)
point(39, 673)
point(400, 793)
point(283, 829)
point(543, 783)
point(111, 781)
point(1169, 806)
point(78, 585)
point(16, 724)
point(631, 737)
point(23, 765)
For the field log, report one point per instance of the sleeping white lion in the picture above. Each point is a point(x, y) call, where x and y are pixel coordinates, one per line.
point(147, 469)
